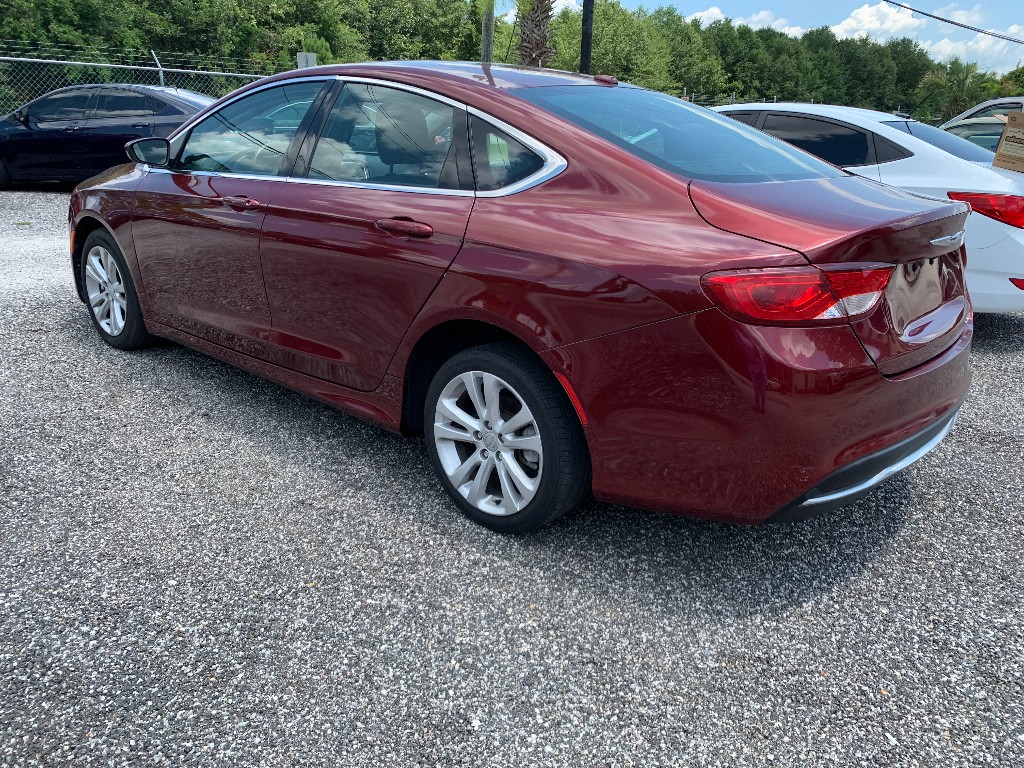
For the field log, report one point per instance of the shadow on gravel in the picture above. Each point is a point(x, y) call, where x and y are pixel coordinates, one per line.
point(999, 334)
point(671, 564)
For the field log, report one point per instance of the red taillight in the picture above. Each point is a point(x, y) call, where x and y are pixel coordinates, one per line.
point(797, 295)
point(1008, 209)
point(1018, 282)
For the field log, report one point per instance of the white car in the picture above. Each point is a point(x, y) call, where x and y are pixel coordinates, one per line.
point(917, 157)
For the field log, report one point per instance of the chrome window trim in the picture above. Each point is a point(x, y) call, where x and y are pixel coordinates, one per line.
point(553, 165)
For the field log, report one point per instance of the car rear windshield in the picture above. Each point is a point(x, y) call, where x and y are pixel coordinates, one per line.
point(944, 140)
point(677, 136)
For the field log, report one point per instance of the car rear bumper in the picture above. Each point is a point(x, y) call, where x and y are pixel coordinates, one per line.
point(705, 416)
point(861, 477)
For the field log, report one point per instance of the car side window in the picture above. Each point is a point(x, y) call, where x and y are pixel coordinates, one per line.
point(747, 118)
point(251, 135)
point(888, 152)
point(69, 105)
point(387, 136)
point(838, 144)
point(118, 103)
point(498, 159)
point(999, 109)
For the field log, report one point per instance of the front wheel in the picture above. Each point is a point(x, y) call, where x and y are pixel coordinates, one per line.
point(504, 439)
point(110, 292)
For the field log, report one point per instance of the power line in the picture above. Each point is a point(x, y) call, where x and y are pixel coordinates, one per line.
point(957, 23)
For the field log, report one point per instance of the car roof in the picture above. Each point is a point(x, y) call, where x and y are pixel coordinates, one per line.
point(991, 120)
point(487, 76)
point(181, 95)
point(822, 110)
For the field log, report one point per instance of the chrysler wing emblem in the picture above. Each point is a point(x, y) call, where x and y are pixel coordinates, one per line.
point(950, 241)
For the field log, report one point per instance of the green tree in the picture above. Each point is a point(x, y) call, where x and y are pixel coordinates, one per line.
point(956, 84)
point(695, 66)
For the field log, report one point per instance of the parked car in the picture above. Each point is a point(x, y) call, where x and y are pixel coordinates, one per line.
point(990, 108)
point(983, 131)
point(919, 158)
point(73, 133)
point(568, 284)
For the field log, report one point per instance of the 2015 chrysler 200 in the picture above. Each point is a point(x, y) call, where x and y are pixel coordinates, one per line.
point(568, 284)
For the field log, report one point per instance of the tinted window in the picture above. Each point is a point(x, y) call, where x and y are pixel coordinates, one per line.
point(747, 118)
point(986, 136)
point(838, 144)
point(887, 152)
point(69, 105)
point(381, 135)
point(498, 159)
point(250, 135)
point(944, 140)
point(1000, 109)
point(123, 104)
point(677, 136)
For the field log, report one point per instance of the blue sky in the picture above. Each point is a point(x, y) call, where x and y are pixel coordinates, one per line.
point(878, 20)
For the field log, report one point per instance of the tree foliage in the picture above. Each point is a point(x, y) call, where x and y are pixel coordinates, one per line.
point(660, 49)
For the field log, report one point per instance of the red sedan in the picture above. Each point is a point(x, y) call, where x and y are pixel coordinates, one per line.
point(569, 284)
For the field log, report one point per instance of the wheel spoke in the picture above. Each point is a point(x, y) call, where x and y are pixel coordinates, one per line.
point(448, 408)
point(523, 443)
point(524, 483)
point(513, 498)
point(473, 389)
point(116, 319)
point(492, 399)
point(94, 270)
point(96, 298)
point(443, 431)
point(465, 470)
point(478, 490)
point(518, 421)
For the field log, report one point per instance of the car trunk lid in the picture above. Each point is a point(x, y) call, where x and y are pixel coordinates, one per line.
point(850, 220)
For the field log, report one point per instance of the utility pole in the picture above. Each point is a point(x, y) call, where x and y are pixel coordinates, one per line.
point(487, 31)
point(587, 41)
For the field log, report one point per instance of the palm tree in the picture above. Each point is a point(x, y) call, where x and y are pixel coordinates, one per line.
point(535, 49)
point(961, 84)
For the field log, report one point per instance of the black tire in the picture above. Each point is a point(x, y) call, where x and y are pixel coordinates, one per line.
point(5, 177)
point(563, 465)
point(133, 334)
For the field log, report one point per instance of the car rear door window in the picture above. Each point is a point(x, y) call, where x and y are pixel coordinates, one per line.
point(69, 105)
point(747, 118)
point(387, 136)
point(249, 136)
point(498, 159)
point(838, 144)
point(117, 103)
point(998, 109)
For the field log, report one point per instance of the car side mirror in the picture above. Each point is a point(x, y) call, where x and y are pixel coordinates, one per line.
point(21, 116)
point(149, 151)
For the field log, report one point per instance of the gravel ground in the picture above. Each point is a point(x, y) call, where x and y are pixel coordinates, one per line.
point(198, 567)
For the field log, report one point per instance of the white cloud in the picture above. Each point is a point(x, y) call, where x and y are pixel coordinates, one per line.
point(880, 21)
point(756, 20)
point(707, 16)
point(991, 53)
point(974, 16)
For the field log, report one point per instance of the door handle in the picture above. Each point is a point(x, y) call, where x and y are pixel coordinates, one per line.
point(73, 128)
point(141, 125)
point(241, 203)
point(406, 227)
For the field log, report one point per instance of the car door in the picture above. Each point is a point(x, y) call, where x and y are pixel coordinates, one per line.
point(838, 143)
point(196, 224)
point(46, 146)
point(117, 116)
point(357, 240)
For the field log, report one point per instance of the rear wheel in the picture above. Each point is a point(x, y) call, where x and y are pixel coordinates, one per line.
point(110, 293)
point(504, 439)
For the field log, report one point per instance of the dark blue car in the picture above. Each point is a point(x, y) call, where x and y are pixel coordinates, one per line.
point(73, 133)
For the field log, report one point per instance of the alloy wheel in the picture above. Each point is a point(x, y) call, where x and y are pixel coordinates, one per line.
point(488, 443)
point(105, 287)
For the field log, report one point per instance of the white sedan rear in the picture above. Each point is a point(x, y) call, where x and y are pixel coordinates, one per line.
point(917, 157)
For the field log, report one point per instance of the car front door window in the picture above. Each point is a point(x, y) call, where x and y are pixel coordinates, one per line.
point(838, 144)
point(250, 136)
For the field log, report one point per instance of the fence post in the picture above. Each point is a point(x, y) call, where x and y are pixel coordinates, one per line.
point(159, 66)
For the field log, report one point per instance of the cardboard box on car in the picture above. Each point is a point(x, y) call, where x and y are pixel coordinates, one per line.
point(1010, 152)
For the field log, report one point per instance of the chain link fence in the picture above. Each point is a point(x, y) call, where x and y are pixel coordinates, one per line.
point(27, 71)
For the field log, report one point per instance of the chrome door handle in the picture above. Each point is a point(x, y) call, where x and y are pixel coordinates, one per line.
point(405, 227)
point(241, 203)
